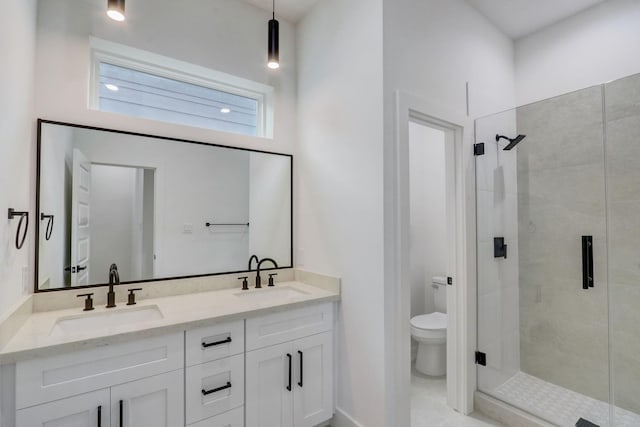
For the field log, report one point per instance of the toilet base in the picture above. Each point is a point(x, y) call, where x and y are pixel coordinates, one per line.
point(432, 359)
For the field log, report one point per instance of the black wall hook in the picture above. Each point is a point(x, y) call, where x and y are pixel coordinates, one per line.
point(24, 220)
point(49, 230)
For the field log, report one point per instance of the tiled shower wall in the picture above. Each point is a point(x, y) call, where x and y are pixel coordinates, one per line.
point(561, 197)
point(623, 211)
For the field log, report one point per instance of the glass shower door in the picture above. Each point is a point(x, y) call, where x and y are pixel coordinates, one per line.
point(622, 113)
point(542, 259)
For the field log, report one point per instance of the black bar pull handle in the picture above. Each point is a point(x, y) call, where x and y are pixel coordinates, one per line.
point(289, 385)
point(301, 367)
point(587, 262)
point(213, 344)
point(217, 389)
point(121, 413)
point(100, 416)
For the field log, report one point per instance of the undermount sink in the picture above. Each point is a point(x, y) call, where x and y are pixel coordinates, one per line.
point(92, 322)
point(270, 294)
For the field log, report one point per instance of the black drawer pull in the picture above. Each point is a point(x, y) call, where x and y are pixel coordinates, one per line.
point(214, 390)
point(301, 368)
point(289, 385)
point(213, 344)
point(100, 416)
point(122, 413)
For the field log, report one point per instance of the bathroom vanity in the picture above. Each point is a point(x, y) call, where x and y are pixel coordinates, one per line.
point(221, 358)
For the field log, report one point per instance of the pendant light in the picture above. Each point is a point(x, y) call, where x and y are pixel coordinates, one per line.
point(115, 10)
point(273, 56)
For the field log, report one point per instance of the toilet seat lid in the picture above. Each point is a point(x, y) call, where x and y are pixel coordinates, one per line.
point(430, 321)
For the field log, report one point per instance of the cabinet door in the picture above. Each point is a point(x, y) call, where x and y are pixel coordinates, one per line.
point(150, 402)
point(313, 380)
point(269, 386)
point(85, 410)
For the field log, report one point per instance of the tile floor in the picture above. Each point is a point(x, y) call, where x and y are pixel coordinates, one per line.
point(429, 406)
point(559, 405)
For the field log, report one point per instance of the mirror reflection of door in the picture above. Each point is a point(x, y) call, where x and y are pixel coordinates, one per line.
point(122, 214)
point(80, 219)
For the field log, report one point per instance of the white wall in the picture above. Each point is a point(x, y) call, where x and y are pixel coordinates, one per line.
point(17, 142)
point(428, 221)
point(224, 35)
point(112, 210)
point(593, 47)
point(55, 199)
point(339, 179)
point(432, 48)
point(270, 207)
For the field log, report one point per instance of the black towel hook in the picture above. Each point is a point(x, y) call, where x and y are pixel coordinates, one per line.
point(24, 219)
point(49, 230)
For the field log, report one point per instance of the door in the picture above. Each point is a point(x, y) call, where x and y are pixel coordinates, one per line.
point(85, 410)
point(269, 386)
point(313, 380)
point(80, 219)
point(156, 401)
point(542, 259)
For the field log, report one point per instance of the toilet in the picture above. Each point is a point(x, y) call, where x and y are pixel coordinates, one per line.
point(430, 331)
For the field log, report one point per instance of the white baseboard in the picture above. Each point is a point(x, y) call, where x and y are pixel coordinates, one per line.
point(342, 419)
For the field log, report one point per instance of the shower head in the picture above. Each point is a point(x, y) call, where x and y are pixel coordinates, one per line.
point(512, 141)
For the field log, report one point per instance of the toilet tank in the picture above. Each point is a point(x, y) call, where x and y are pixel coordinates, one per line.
point(439, 284)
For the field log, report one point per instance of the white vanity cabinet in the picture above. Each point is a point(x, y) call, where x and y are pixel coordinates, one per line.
point(273, 370)
point(143, 379)
point(290, 369)
point(86, 410)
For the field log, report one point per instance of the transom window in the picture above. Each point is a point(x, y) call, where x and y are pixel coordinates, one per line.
point(164, 89)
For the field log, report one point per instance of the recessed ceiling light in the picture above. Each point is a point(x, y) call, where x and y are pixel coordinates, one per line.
point(112, 87)
point(115, 10)
point(225, 110)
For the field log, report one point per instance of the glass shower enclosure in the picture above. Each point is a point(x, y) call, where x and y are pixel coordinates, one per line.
point(558, 244)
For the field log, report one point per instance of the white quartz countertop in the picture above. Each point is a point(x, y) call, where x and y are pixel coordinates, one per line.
point(181, 312)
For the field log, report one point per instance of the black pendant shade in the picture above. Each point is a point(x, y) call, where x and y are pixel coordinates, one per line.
point(273, 49)
point(115, 10)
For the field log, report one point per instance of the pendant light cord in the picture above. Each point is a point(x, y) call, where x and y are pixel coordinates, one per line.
point(274, 9)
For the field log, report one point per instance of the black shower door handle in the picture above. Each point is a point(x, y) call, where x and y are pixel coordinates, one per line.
point(587, 262)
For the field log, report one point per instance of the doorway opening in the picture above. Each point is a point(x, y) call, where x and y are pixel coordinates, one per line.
point(431, 245)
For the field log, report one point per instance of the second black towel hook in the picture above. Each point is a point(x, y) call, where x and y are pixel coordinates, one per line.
point(49, 229)
point(23, 226)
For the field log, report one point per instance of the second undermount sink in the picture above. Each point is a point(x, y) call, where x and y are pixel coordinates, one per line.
point(283, 293)
point(101, 320)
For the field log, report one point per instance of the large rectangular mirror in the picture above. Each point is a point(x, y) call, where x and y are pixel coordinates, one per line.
point(157, 207)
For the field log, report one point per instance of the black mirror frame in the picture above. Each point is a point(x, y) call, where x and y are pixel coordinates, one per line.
point(165, 138)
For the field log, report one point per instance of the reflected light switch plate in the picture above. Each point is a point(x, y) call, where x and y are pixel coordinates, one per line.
point(187, 228)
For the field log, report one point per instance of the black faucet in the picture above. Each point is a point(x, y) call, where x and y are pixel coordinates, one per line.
point(251, 261)
point(258, 279)
point(114, 279)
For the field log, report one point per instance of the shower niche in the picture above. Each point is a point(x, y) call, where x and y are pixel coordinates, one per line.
point(557, 318)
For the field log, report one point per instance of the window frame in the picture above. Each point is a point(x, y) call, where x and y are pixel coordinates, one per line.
point(103, 51)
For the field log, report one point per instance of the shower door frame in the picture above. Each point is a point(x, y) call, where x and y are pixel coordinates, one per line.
point(397, 288)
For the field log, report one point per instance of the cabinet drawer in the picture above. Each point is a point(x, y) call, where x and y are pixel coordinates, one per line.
point(67, 374)
point(288, 325)
point(214, 342)
point(223, 382)
point(233, 418)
